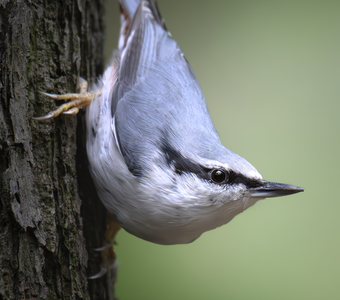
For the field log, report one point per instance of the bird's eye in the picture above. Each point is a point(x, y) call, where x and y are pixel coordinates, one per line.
point(218, 176)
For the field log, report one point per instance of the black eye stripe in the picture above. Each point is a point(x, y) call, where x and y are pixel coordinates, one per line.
point(236, 178)
point(183, 165)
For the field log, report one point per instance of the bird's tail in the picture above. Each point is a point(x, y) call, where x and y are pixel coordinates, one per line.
point(128, 9)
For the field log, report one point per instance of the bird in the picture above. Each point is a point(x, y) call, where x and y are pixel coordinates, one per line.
point(155, 157)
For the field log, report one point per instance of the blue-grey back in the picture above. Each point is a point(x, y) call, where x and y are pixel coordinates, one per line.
point(157, 96)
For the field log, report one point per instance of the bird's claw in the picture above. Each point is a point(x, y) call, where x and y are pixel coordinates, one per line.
point(100, 274)
point(77, 101)
point(108, 260)
point(106, 251)
point(104, 247)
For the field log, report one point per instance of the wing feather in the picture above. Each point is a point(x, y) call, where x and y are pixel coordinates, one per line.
point(157, 95)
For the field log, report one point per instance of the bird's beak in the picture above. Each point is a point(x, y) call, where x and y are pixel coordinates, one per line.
point(274, 189)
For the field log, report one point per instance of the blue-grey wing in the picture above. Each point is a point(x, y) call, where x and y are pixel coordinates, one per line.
point(128, 10)
point(143, 40)
point(157, 97)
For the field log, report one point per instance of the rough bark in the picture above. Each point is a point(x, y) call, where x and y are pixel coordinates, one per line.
point(44, 227)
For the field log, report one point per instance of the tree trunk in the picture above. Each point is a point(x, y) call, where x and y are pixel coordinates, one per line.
point(49, 211)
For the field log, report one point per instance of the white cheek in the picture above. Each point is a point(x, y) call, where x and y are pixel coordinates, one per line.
point(162, 184)
point(194, 190)
point(235, 193)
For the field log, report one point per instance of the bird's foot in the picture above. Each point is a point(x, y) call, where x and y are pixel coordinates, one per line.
point(107, 252)
point(77, 101)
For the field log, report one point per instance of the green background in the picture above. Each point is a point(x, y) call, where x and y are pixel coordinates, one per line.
point(270, 74)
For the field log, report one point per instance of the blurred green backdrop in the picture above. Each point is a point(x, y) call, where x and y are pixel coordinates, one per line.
point(270, 73)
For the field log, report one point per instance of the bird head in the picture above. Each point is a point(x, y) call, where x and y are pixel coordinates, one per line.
point(203, 193)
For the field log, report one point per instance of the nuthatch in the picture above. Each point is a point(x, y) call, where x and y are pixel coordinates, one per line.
point(155, 157)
